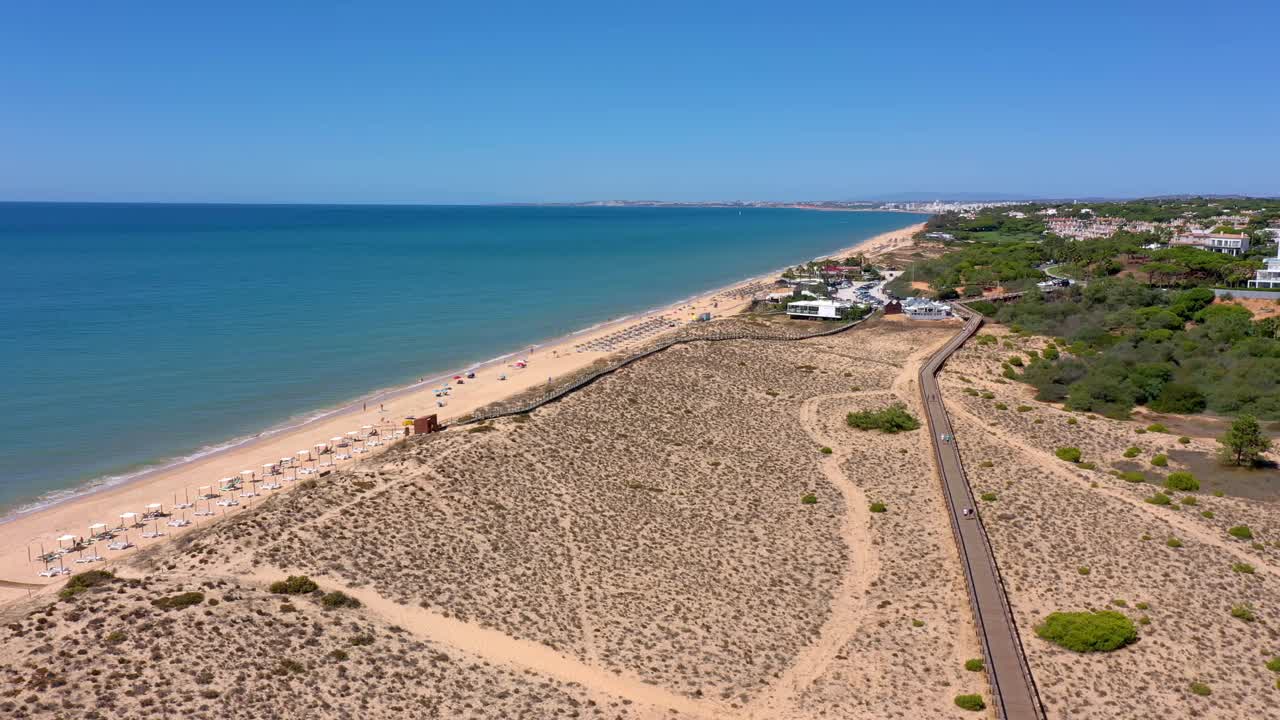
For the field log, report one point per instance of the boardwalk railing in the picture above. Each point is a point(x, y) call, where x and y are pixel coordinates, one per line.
point(703, 333)
point(1013, 700)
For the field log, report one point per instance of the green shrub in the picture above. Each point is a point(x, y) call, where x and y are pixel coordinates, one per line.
point(1132, 476)
point(970, 702)
point(1083, 570)
point(977, 664)
point(878, 507)
point(826, 451)
point(1173, 542)
point(1189, 500)
point(1199, 688)
point(294, 585)
point(1243, 612)
point(1159, 499)
point(1070, 454)
point(1072, 421)
point(1015, 360)
point(1241, 532)
point(1274, 664)
point(1025, 408)
point(1160, 460)
point(1086, 466)
point(1182, 482)
point(1001, 406)
point(338, 599)
point(989, 496)
point(893, 419)
point(1184, 440)
point(1142, 605)
point(1243, 567)
point(1157, 427)
point(115, 637)
point(1100, 631)
point(81, 582)
point(1206, 514)
point(987, 395)
point(809, 499)
point(180, 601)
point(1120, 602)
point(986, 464)
point(1132, 452)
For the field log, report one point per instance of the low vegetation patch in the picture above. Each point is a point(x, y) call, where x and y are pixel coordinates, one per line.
point(294, 585)
point(1244, 612)
point(1243, 567)
point(1241, 532)
point(1159, 499)
point(974, 664)
point(1132, 452)
point(809, 499)
point(1101, 631)
point(1160, 460)
point(338, 599)
point(878, 507)
point(81, 582)
point(1182, 482)
point(1070, 454)
point(893, 419)
point(179, 601)
point(1199, 688)
point(970, 702)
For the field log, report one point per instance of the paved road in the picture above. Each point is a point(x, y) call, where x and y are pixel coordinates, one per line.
point(1014, 691)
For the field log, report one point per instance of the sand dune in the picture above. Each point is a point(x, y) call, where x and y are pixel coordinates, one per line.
point(638, 549)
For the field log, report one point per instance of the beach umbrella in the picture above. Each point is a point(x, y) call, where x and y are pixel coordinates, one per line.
point(155, 509)
point(96, 529)
point(66, 538)
point(268, 469)
point(129, 517)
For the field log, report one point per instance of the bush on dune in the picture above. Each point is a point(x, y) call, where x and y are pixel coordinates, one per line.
point(893, 419)
point(1101, 631)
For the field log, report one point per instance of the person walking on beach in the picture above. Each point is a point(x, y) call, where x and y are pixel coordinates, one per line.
point(364, 406)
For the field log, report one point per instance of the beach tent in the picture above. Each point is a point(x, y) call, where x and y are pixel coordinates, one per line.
point(268, 468)
point(247, 475)
point(97, 529)
point(155, 509)
point(66, 538)
point(129, 517)
point(321, 448)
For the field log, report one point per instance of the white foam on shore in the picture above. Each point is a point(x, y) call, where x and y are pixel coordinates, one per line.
point(106, 482)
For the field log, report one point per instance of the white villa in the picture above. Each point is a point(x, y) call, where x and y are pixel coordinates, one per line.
point(1268, 278)
point(821, 309)
point(1225, 243)
point(925, 309)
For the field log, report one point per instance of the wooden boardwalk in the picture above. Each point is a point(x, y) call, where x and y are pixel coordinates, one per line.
point(1014, 694)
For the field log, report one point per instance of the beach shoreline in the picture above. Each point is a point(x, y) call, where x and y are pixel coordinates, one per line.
point(73, 510)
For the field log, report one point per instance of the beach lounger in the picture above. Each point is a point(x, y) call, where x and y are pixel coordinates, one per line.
point(178, 522)
point(54, 572)
point(151, 534)
point(120, 545)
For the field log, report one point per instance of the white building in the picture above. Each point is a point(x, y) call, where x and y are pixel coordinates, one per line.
point(1225, 243)
point(925, 309)
point(1268, 278)
point(820, 309)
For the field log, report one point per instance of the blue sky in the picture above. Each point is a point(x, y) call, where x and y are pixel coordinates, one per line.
point(498, 102)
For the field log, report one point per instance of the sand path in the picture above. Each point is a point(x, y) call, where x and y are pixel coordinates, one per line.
point(848, 603)
point(499, 648)
point(1187, 527)
point(848, 607)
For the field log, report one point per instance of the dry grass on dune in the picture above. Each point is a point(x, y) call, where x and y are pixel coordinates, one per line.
point(647, 531)
point(1073, 538)
point(109, 653)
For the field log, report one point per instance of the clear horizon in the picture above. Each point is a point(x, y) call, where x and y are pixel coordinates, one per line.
point(401, 104)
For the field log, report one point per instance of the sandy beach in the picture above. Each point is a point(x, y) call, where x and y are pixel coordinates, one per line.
point(22, 537)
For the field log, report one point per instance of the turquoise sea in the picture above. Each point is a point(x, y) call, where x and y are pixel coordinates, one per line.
point(135, 335)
